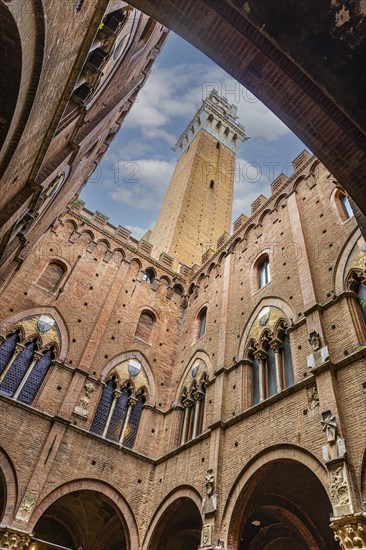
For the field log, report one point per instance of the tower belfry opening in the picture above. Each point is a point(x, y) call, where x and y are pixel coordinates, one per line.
point(197, 207)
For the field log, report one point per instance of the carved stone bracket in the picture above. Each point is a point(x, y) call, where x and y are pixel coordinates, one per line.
point(11, 540)
point(350, 531)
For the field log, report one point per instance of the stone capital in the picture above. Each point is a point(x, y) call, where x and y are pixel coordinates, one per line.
point(14, 540)
point(350, 531)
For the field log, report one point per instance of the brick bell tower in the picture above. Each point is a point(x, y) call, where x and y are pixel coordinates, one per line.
point(197, 207)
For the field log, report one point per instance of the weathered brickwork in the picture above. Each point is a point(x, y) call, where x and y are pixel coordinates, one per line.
point(87, 74)
point(280, 450)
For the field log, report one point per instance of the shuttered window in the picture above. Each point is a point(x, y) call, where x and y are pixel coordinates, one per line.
point(51, 276)
point(145, 325)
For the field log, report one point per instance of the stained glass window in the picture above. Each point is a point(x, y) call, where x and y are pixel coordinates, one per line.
point(133, 425)
point(35, 378)
point(118, 416)
point(104, 406)
point(271, 372)
point(7, 350)
point(18, 369)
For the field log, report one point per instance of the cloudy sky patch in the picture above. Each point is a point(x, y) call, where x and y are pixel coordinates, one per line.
point(131, 181)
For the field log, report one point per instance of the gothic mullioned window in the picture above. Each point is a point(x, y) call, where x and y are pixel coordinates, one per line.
point(271, 363)
point(119, 410)
point(193, 402)
point(24, 360)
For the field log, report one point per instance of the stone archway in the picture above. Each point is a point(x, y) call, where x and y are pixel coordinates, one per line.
point(179, 527)
point(84, 519)
point(8, 489)
point(283, 504)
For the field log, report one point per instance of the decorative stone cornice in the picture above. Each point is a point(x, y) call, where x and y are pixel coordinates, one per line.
point(350, 531)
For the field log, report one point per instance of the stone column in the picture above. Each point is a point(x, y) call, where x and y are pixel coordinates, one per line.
point(350, 531)
point(261, 357)
point(18, 349)
point(36, 357)
point(131, 403)
point(14, 540)
point(188, 404)
point(116, 395)
point(276, 346)
point(198, 396)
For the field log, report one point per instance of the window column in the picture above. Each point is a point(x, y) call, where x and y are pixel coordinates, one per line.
point(276, 345)
point(131, 402)
point(198, 397)
point(261, 358)
point(36, 357)
point(18, 349)
point(116, 396)
point(188, 405)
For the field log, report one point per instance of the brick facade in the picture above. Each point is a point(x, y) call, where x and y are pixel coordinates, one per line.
point(97, 306)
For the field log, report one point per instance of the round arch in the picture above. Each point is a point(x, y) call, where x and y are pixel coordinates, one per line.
point(122, 508)
point(182, 492)
point(250, 477)
point(133, 354)
point(10, 321)
point(268, 301)
point(8, 480)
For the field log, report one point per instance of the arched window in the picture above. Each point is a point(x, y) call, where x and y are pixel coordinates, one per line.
point(51, 277)
point(118, 413)
point(201, 322)
point(264, 273)
point(23, 367)
point(272, 365)
point(145, 325)
point(193, 402)
point(357, 284)
point(344, 206)
point(178, 289)
point(149, 275)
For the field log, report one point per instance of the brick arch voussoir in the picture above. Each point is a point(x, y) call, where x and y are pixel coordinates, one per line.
point(252, 473)
point(184, 491)
point(121, 506)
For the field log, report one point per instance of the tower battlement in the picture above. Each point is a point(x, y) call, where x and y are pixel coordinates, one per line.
point(218, 117)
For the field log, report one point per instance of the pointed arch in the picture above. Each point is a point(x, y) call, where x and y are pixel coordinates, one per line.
point(125, 356)
point(8, 323)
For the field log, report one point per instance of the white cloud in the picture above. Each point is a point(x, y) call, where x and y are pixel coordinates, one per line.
point(137, 231)
point(178, 91)
point(142, 183)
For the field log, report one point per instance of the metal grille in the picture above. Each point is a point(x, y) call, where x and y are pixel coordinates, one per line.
point(133, 425)
point(35, 378)
point(18, 369)
point(118, 417)
point(7, 350)
point(104, 405)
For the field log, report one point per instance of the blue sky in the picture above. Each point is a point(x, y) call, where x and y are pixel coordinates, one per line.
point(130, 182)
